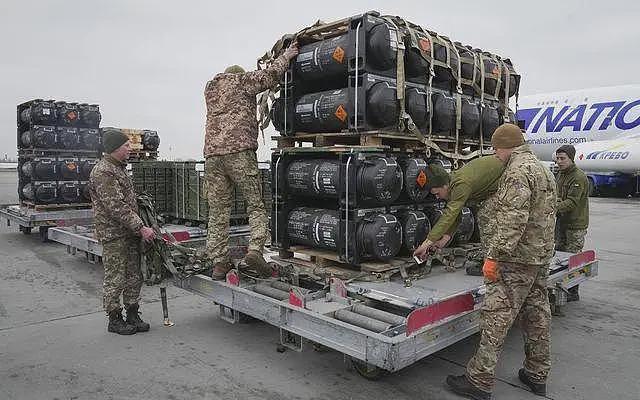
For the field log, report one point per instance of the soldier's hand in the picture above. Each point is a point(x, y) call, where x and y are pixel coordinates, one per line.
point(292, 51)
point(443, 241)
point(148, 234)
point(422, 251)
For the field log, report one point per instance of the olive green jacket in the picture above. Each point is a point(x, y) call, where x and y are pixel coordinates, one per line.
point(473, 183)
point(573, 199)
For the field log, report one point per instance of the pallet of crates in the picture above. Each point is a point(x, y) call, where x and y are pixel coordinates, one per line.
point(363, 209)
point(59, 143)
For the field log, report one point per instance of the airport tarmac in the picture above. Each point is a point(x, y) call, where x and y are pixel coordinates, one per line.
point(54, 343)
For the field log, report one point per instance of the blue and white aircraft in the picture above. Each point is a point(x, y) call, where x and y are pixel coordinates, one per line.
point(602, 123)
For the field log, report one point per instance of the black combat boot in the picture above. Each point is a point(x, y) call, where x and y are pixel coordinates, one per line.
point(256, 261)
point(574, 294)
point(117, 324)
point(537, 388)
point(461, 385)
point(133, 318)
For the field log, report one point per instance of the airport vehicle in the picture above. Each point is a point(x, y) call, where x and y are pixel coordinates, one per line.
point(381, 325)
point(381, 322)
point(28, 218)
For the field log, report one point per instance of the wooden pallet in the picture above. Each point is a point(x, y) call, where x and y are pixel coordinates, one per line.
point(383, 139)
point(52, 207)
point(326, 259)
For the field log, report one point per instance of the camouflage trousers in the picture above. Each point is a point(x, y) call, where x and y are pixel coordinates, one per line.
point(570, 240)
point(122, 274)
point(519, 293)
point(221, 173)
point(485, 219)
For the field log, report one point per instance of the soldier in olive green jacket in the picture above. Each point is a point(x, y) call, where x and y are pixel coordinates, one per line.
point(573, 206)
point(471, 184)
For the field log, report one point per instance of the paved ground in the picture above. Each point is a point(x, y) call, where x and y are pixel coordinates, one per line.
point(54, 345)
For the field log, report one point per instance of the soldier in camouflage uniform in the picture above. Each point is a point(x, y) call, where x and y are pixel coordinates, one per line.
point(230, 158)
point(519, 250)
point(471, 185)
point(119, 229)
point(573, 207)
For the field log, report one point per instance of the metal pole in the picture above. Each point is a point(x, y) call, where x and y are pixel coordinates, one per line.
point(165, 308)
point(378, 314)
point(271, 292)
point(367, 323)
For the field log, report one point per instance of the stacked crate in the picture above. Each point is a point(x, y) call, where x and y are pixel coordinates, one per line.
point(155, 180)
point(58, 142)
point(380, 99)
point(346, 79)
point(190, 198)
point(144, 143)
point(178, 190)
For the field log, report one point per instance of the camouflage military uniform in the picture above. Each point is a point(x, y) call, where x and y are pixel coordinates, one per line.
point(573, 209)
point(229, 150)
point(117, 226)
point(522, 244)
point(570, 240)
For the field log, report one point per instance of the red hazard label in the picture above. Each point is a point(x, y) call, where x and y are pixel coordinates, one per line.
point(424, 44)
point(421, 180)
point(72, 115)
point(71, 166)
point(338, 54)
point(341, 113)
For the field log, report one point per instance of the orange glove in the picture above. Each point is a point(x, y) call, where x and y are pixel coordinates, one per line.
point(490, 270)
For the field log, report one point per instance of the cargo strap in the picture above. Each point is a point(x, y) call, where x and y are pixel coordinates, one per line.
point(474, 74)
point(405, 121)
point(496, 93)
point(433, 146)
point(504, 66)
point(481, 102)
point(458, 95)
point(400, 74)
point(155, 259)
point(430, 58)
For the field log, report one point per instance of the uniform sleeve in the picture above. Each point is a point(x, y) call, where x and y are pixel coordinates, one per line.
point(109, 194)
point(450, 218)
point(262, 80)
point(512, 206)
point(577, 189)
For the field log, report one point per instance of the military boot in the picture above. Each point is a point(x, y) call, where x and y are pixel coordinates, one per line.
point(537, 388)
point(117, 324)
point(133, 318)
point(220, 271)
point(461, 385)
point(256, 261)
point(574, 294)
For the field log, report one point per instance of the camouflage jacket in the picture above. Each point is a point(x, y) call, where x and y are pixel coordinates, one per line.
point(114, 201)
point(473, 183)
point(573, 198)
point(525, 212)
point(232, 123)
